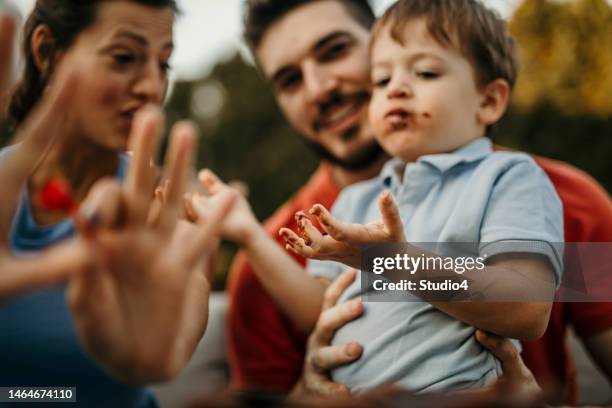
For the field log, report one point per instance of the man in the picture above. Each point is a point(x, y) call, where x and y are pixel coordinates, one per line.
point(320, 76)
point(314, 53)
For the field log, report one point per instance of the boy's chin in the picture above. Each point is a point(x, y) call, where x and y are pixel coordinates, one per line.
point(400, 145)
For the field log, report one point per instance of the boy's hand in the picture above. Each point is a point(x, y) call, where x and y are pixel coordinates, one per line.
point(239, 225)
point(342, 242)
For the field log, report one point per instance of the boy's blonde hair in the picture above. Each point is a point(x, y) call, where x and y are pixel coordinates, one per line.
point(478, 32)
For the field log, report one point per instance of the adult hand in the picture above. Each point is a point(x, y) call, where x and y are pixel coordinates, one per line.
point(35, 135)
point(142, 308)
point(517, 382)
point(343, 242)
point(321, 357)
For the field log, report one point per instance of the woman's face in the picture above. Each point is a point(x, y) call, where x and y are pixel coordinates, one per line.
point(122, 59)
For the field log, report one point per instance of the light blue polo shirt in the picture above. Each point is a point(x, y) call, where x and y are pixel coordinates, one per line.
point(471, 195)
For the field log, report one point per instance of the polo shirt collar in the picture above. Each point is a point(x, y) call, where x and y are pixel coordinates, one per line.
point(474, 151)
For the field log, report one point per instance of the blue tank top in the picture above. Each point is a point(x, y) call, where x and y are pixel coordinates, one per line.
point(38, 342)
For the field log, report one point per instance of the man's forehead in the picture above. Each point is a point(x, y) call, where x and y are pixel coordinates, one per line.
point(298, 33)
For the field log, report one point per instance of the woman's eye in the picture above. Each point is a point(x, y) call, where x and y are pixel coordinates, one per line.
point(427, 74)
point(123, 59)
point(165, 67)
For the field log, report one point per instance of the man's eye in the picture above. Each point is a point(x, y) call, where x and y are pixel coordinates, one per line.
point(334, 51)
point(381, 83)
point(427, 74)
point(289, 82)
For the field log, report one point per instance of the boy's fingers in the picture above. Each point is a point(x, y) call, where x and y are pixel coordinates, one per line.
point(207, 234)
point(140, 182)
point(180, 160)
point(329, 223)
point(210, 181)
point(308, 231)
point(296, 243)
point(334, 318)
point(391, 217)
point(345, 232)
point(337, 287)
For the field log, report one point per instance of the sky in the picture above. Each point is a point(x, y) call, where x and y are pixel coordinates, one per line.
point(210, 30)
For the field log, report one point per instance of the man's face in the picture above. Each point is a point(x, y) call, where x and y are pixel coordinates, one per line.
point(316, 58)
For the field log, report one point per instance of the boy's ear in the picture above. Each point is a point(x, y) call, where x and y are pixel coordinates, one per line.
point(42, 43)
point(494, 102)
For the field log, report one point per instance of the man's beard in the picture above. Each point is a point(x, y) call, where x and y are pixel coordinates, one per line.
point(364, 158)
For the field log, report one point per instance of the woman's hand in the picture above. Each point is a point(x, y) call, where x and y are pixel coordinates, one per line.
point(142, 308)
point(343, 242)
point(34, 137)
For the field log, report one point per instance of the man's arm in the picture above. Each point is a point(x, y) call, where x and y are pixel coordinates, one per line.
point(600, 348)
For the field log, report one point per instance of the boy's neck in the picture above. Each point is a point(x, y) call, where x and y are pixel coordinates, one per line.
point(344, 177)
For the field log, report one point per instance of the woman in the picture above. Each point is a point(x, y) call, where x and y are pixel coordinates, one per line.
point(140, 308)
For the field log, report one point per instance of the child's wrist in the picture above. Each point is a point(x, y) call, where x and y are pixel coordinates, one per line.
point(251, 233)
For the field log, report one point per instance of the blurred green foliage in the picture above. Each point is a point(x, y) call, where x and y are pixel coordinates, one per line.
point(562, 104)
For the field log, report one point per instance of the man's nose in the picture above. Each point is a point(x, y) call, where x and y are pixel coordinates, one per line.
point(151, 85)
point(319, 83)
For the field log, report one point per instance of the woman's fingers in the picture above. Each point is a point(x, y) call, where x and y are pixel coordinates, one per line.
point(391, 217)
point(140, 182)
point(7, 40)
point(51, 266)
point(35, 136)
point(101, 208)
point(179, 164)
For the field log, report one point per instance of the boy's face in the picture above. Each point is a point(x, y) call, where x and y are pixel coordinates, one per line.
point(425, 99)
